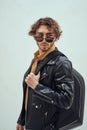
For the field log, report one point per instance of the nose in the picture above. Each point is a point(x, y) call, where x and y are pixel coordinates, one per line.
point(44, 38)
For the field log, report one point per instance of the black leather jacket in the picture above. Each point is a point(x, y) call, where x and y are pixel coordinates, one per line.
point(54, 92)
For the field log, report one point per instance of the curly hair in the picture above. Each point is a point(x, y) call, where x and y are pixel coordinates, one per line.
point(49, 22)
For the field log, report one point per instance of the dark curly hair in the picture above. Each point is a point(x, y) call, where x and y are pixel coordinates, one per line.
point(49, 22)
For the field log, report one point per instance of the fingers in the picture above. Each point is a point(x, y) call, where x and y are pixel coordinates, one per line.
point(32, 78)
point(32, 75)
point(19, 127)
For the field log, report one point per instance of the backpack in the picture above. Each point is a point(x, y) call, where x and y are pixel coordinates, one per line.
point(73, 117)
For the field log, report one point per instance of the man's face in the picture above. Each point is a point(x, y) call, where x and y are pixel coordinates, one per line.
point(45, 38)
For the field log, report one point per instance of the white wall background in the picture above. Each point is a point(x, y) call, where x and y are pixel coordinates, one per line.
point(17, 48)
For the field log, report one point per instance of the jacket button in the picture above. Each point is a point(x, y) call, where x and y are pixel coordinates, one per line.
point(52, 101)
point(36, 106)
point(45, 113)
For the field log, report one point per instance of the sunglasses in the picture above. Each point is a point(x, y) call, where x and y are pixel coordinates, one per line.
point(40, 38)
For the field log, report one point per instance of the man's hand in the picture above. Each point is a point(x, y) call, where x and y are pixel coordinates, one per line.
point(19, 127)
point(32, 80)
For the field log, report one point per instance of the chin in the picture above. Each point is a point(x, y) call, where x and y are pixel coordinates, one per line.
point(44, 49)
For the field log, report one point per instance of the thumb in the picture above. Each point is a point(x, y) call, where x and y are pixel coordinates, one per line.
point(38, 75)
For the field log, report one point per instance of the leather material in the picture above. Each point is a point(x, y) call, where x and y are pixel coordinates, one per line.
point(73, 117)
point(54, 91)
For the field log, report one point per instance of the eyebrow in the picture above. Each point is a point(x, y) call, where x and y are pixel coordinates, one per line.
point(49, 33)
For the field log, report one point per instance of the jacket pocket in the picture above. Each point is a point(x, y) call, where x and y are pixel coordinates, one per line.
point(36, 104)
point(36, 116)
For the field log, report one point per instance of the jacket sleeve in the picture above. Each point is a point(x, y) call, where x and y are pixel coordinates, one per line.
point(21, 119)
point(63, 94)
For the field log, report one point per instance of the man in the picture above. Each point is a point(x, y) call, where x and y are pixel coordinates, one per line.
point(48, 83)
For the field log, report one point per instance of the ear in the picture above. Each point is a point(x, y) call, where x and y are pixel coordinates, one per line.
point(55, 39)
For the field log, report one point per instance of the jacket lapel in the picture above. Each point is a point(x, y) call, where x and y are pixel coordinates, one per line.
point(47, 59)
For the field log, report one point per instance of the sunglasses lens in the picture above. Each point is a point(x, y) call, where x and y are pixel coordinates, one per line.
point(39, 38)
point(49, 39)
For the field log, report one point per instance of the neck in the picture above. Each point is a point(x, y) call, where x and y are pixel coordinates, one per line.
point(41, 52)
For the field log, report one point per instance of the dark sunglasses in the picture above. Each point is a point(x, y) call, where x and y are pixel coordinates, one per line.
point(40, 38)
